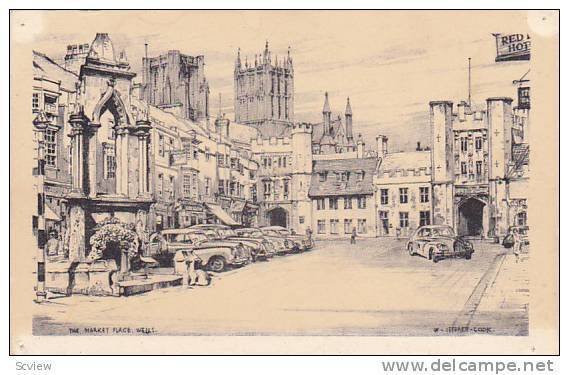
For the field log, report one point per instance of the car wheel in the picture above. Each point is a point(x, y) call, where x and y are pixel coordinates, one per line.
point(216, 264)
point(432, 256)
point(410, 249)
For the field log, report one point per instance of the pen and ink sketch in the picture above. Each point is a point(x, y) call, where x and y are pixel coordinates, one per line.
point(346, 178)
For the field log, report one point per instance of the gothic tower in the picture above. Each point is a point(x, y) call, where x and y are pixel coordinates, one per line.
point(264, 90)
point(177, 83)
point(442, 162)
point(301, 175)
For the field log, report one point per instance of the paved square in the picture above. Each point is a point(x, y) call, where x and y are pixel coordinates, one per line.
point(371, 288)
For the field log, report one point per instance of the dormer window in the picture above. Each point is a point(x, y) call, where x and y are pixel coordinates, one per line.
point(322, 176)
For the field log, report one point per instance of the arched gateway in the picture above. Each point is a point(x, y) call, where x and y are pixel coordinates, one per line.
point(472, 217)
point(278, 216)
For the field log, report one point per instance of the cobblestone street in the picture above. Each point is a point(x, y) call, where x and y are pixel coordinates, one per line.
point(371, 288)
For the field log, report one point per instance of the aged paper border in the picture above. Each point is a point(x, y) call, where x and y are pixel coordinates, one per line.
point(544, 220)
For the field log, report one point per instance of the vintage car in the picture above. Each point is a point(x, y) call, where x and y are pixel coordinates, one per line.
point(215, 254)
point(299, 242)
point(436, 242)
point(259, 248)
point(279, 244)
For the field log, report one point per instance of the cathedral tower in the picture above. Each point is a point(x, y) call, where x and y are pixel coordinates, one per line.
point(264, 89)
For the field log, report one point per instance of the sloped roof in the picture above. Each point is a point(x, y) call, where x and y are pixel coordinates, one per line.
point(405, 160)
point(333, 186)
point(45, 67)
point(318, 130)
point(170, 119)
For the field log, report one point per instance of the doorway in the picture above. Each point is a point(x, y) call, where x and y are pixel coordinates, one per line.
point(471, 217)
point(278, 216)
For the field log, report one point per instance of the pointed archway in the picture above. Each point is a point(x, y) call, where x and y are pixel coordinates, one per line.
point(112, 102)
point(278, 216)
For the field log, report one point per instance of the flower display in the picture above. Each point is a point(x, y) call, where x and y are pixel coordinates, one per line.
point(112, 230)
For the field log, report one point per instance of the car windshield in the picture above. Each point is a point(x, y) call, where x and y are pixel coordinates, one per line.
point(442, 231)
point(211, 234)
point(180, 237)
point(256, 233)
point(198, 237)
point(224, 233)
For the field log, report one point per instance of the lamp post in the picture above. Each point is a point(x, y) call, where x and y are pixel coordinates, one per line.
point(40, 125)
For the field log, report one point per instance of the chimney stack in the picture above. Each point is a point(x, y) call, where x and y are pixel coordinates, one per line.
point(361, 147)
point(381, 145)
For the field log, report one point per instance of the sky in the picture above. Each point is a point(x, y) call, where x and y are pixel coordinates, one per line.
point(390, 63)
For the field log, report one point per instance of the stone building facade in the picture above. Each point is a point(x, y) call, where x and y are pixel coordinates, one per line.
point(478, 160)
point(53, 92)
point(285, 169)
point(402, 186)
point(342, 195)
point(109, 154)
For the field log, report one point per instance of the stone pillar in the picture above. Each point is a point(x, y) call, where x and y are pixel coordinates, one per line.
point(92, 158)
point(143, 132)
point(121, 152)
point(78, 123)
point(125, 262)
point(77, 241)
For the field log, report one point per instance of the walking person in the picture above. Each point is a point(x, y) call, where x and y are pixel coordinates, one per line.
point(353, 236)
point(517, 244)
point(309, 235)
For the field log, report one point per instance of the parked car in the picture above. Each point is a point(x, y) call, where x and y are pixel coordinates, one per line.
point(299, 242)
point(279, 244)
point(215, 254)
point(437, 242)
point(259, 248)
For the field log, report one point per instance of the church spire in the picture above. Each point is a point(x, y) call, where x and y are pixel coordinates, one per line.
point(266, 53)
point(348, 107)
point(326, 116)
point(349, 128)
point(326, 108)
point(238, 60)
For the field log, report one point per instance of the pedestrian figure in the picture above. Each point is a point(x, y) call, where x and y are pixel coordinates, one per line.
point(398, 232)
point(52, 245)
point(353, 236)
point(517, 244)
point(196, 276)
point(309, 233)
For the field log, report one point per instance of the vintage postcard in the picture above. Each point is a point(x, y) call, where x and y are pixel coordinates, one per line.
point(284, 182)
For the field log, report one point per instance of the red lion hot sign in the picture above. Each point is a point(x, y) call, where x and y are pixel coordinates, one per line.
point(512, 47)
